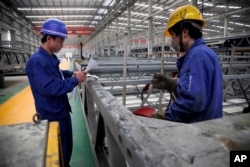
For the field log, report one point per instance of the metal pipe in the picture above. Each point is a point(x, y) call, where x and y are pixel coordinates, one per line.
point(150, 28)
point(125, 68)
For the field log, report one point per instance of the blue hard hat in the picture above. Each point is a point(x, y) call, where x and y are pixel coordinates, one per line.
point(55, 27)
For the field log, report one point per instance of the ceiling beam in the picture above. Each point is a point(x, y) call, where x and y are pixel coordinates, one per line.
point(228, 13)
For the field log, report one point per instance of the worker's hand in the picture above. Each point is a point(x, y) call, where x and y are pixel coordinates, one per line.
point(159, 114)
point(145, 88)
point(160, 81)
point(81, 76)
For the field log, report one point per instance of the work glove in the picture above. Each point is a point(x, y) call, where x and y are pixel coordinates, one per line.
point(160, 81)
point(159, 114)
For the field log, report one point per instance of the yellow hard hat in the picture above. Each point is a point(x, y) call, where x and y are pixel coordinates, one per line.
point(186, 12)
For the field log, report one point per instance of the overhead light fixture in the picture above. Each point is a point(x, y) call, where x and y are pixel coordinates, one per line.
point(98, 17)
point(141, 26)
point(137, 13)
point(122, 24)
point(102, 11)
point(123, 18)
point(65, 21)
point(222, 27)
point(117, 27)
point(239, 24)
point(217, 21)
point(73, 25)
point(210, 30)
point(76, 25)
point(206, 4)
point(145, 5)
point(93, 22)
point(207, 14)
point(159, 23)
point(160, 17)
point(235, 16)
point(229, 7)
point(57, 16)
point(53, 9)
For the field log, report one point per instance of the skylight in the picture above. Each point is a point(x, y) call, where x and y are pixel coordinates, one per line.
point(106, 3)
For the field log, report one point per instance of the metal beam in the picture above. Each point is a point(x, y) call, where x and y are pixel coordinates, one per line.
point(146, 142)
point(228, 13)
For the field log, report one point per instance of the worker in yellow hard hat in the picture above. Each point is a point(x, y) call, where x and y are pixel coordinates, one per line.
point(199, 88)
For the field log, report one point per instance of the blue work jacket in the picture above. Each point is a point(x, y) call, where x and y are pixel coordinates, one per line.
point(199, 93)
point(49, 85)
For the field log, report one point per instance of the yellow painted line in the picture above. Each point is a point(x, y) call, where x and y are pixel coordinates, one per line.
point(18, 109)
point(21, 108)
point(53, 146)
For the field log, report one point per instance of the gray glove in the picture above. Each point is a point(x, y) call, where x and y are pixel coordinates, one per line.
point(160, 81)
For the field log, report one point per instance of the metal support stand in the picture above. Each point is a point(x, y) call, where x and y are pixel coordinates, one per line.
point(116, 157)
point(246, 109)
point(1, 79)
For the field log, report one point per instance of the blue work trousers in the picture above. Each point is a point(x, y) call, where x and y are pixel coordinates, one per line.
point(66, 139)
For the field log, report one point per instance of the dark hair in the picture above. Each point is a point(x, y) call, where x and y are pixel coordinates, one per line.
point(193, 27)
point(44, 38)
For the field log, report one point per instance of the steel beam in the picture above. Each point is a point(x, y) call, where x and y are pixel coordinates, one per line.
point(147, 142)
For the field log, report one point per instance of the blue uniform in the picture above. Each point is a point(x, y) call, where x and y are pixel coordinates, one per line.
point(199, 87)
point(50, 86)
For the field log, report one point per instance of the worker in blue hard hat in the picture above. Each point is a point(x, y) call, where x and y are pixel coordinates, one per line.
point(199, 88)
point(50, 85)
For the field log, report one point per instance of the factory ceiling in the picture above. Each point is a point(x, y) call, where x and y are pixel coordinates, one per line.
point(88, 17)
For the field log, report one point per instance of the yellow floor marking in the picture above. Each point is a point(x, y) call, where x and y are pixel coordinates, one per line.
point(21, 108)
point(53, 146)
point(18, 109)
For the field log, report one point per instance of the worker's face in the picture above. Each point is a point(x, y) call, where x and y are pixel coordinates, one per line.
point(176, 40)
point(175, 43)
point(55, 44)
